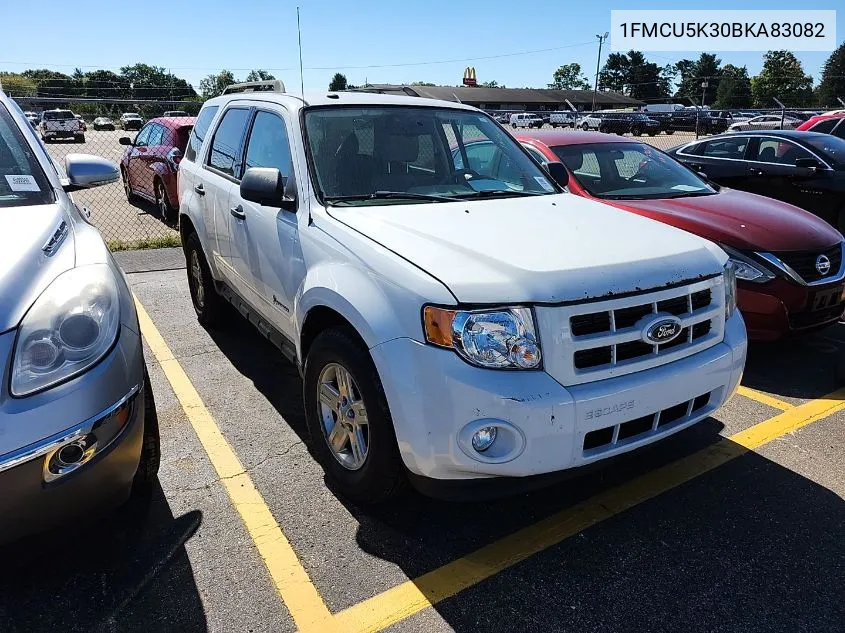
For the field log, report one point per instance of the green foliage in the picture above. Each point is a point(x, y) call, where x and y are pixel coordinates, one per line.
point(166, 241)
point(569, 77)
point(782, 77)
point(422, 83)
point(734, 89)
point(259, 75)
point(636, 77)
point(17, 85)
point(693, 73)
point(338, 82)
point(832, 84)
point(213, 85)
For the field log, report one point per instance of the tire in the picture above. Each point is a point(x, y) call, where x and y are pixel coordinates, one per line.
point(585, 127)
point(652, 133)
point(670, 132)
point(207, 303)
point(635, 131)
point(147, 473)
point(379, 475)
point(168, 213)
point(127, 187)
point(79, 138)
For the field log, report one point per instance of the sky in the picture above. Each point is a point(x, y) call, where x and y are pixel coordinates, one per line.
point(511, 42)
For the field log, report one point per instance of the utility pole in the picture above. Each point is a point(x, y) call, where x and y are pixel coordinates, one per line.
point(704, 85)
point(601, 39)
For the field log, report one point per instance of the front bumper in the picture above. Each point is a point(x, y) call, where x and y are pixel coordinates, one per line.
point(780, 308)
point(437, 397)
point(108, 402)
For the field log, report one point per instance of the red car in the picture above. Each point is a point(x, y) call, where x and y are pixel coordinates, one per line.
point(826, 124)
point(789, 263)
point(151, 161)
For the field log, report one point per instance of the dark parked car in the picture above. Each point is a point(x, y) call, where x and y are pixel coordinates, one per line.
point(789, 264)
point(806, 169)
point(150, 162)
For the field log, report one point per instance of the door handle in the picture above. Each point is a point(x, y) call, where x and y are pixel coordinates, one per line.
point(199, 189)
point(755, 172)
point(238, 212)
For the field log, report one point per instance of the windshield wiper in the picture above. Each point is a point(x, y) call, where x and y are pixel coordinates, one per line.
point(388, 195)
point(499, 192)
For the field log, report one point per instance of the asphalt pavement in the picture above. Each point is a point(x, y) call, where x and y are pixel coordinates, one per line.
point(734, 524)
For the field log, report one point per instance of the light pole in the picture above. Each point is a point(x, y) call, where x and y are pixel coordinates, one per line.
point(704, 85)
point(601, 39)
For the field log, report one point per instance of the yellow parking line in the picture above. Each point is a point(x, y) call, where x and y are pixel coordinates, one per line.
point(764, 398)
point(402, 601)
point(289, 576)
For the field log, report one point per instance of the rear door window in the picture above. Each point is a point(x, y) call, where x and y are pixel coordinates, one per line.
point(198, 133)
point(730, 148)
point(825, 127)
point(227, 140)
point(780, 152)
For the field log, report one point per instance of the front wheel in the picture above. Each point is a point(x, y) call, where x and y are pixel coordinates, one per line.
point(348, 419)
point(585, 127)
point(148, 465)
point(163, 202)
point(636, 131)
point(79, 138)
point(207, 303)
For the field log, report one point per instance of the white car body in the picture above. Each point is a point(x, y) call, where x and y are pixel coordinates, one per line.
point(60, 124)
point(378, 266)
point(563, 119)
point(765, 122)
point(526, 120)
point(589, 122)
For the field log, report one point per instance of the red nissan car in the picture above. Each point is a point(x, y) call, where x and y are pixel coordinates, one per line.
point(789, 263)
point(151, 161)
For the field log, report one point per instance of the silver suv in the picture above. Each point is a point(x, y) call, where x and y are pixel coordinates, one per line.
point(78, 429)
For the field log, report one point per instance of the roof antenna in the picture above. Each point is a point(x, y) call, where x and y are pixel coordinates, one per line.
point(299, 35)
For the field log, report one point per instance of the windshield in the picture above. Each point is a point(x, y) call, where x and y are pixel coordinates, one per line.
point(629, 171)
point(60, 115)
point(372, 155)
point(831, 147)
point(22, 181)
point(131, 115)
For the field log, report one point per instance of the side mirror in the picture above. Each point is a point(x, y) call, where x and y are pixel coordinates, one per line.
point(558, 172)
point(265, 186)
point(125, 140)
point(85, 171)
point(807, 163)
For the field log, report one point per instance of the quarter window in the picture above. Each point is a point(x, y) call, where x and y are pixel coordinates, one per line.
point(198, 133)
point(227, 140)
point(268, 144)
point(143, 138)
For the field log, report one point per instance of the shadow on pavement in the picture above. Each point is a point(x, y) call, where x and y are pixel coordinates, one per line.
point(128, 571)
point(806, 367)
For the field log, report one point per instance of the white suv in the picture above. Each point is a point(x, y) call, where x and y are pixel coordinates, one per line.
point(452, 328)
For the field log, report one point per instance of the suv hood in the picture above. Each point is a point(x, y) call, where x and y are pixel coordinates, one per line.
point(25, 268)
point(550, 248)
point(744, 221)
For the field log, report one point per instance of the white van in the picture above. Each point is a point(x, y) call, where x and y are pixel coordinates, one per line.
point(565, 118)
point(525, 119)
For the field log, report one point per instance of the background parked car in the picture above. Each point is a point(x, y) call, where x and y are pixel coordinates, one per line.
point(103, 123)
point(825, 124)
point(525, 119)
point(590, 121)
point(150, 163)
point(806, 169)
point(175, 113)
point(564, 118)
point(32, 117)
point(131, 121)
point(60, 124)
point(79, 118)
point(767, 122)
point(774, 246)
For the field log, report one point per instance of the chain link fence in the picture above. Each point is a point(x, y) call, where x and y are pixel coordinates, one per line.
point(140, 210)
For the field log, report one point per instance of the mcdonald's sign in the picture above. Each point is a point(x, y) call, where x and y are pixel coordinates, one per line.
point(469, 76)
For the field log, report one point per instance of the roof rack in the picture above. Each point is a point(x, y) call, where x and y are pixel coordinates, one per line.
point(271, 85)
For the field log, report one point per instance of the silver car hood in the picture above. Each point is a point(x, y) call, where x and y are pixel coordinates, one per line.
point(36, 245)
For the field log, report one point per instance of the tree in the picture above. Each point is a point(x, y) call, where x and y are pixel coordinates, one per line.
point(259, 75)
point(693, 73)
point(614, 74)
point(52, 84)
point(782, 77)
point(154, 82)
point(213, 85)
point(492, 84)
point(16, 85)
point(104, 84)
point(338, 82)
point(636, 77)
point(422, 83)
point(832, 84)
point(569, 77)
point(734, 89)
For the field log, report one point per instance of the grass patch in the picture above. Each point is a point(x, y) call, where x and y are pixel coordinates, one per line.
point(168, 241)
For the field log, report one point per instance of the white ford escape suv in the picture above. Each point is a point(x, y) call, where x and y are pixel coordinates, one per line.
point(452, 328)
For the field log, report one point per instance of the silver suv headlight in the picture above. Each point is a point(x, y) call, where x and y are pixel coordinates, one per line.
point(70, 327)
point(497, 339)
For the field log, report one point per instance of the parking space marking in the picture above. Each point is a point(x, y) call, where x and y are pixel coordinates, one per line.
point(764, 398)
point(410, 597)
point(299, 594)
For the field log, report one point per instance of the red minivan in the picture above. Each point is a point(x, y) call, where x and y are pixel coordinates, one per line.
point(151, 161)
point(789, 263)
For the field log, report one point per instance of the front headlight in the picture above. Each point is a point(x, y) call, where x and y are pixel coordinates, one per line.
point(70, 327)
point(730, 290)
point(746, 268)
point(496, 339)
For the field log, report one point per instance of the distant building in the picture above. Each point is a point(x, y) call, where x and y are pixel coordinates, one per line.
point(511, 99)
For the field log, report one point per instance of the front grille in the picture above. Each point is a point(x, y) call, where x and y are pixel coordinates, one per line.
point(619, 320)
point(638, 428)
point(804, 263)
point(819, 317)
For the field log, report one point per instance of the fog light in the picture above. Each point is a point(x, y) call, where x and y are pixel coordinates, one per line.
point(483, 438)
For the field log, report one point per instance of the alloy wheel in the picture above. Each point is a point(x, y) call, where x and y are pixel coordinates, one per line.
point(343, 416)
point(196, 275)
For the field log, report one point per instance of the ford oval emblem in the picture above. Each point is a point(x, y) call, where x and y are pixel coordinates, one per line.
point(823, 264)
point(663, 331)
